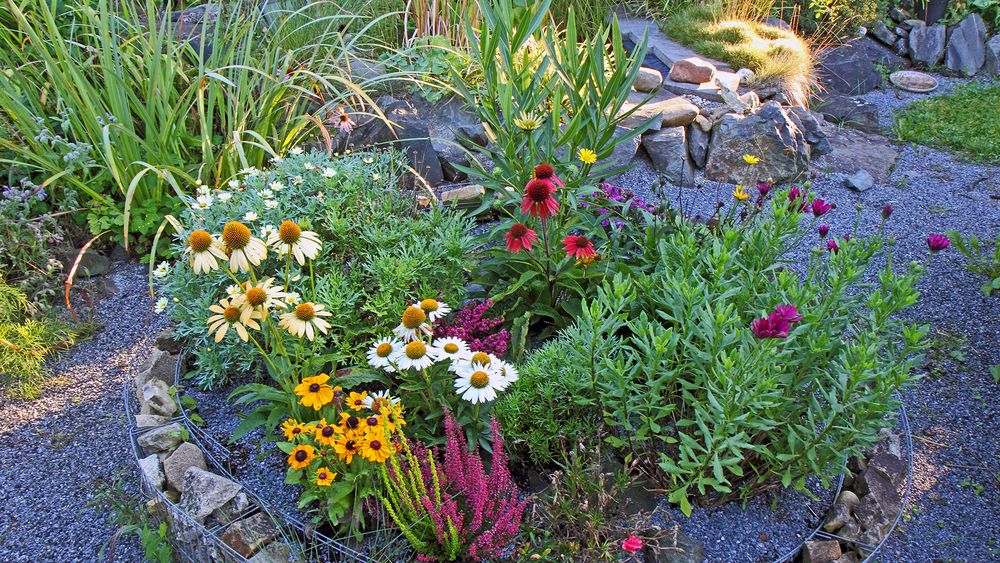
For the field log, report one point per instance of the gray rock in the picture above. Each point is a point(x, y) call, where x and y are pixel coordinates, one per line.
point(151, 471)
point(809, 123)
point(861, 181)
point(648, 80)
point(882, 55)
point(186, 455)
point(768, 134)
point(160, 366)
point(92, 263)
point(205, 493)
point(625, 150)
point(667, 149)
point(872, 484)
point(274, 552)
point(911, 23)
point(992, 59)
point(665, 111)
point(927, 43)
point(168, 342)
point(901, 47)
point(409, 132)
point(156, 399)
point(745, 75)
point(232, 509)
point(880, 31)
point(889, 466)
point(849, 112)
point(854, 150)
point(777, 22)
point(673, 548)
point(692, 70)
point(248, 535)
point(150, 420)
point(820, 551)
point(847, 69)
point(161, 439)
point(451, 155)
point(966, 50)
point(897, 15)
point(697, 141)
point(873, 517)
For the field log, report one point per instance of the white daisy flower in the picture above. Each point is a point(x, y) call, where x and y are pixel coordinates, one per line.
point(413, 320)
point(329, 172)
point(414, 355)
point(249, 216)
point(161, 305)
point(368, 160)
point(233, 290)
point(276, 160)
point(295, 151)
point(202, 190)
point(290, 238)
point(433, 308)
point(449, 348)
point(508, 373)
point(308, 165)
point(373, 400)
point(265, 193)
point(292, 298)
point(203, 202)
point(376, 176)
point(381, 353)
point(229, 316)
point(224, 196)
point(270, 204)
point(161, 271)
point(234, 184)
point(477, 383)
point(297, 180)
point(251, 171)
point(276, 186)
point(320, 196)
point(469, 357)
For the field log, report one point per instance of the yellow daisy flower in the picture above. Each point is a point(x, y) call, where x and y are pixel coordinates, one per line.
point(326, 434)
point(375, 447)
point(305, 319)
point(346, 448)
point(301, 456)
point(229, 315)
point(750, 159)
point(324, 477)
point(349, 424)
point(587, 156)
point(740, 193)
point(292, 429)
point(205, 251)
point(314, 391)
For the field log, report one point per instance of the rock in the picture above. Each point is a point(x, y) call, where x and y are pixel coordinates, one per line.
point(880, 500)
point(888, 466)
point(777, 22)
point(849, 112)
point(854, 150)
point(927, 43)
point(232, 509)
point(150, 467)
point(851, 530)
point(92, 264)
point(847, 69)
point(161, 439)
point(909, 24)
point(848, 499)
point(692, 70)
point(667, 149)
point(809, 123)
point(648, 80)
point(156, 399)
point(849, 557)
point(150, 420)
point(168, 342)
point(872, 516)
point(880, 54)
point(409, 131)
point(160, 366)
point(247, 535)
point(275, 552)
point(836, 518)
point(625, 150)
point(901, 47)
point(860, 181)
point(745, 75)
point(451, 156)
point(820, 551)
point(992, 61)
point(186, 456)
point(673, 111)
point(880, 31)
point(897, 15)
point(768, 134)
point(190, 25)
point(966, 50)
point(697, 141)
point(890, 442)
point(205, 492)
point(472, 193)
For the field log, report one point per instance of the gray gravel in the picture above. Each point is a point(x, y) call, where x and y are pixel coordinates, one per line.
point(58, 452)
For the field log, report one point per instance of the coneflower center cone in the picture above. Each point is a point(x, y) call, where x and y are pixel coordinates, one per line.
point(416, 350)
point(200, 241)
point(231, 314)
point(305, 312)
point(413, 317)
point(289, 232)
point(236, 235)
point(256, 296)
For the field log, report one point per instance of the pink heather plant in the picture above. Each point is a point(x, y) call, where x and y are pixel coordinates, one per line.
point(480, 332)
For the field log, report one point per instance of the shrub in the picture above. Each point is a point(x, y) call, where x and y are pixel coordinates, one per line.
point(728, 374)
point(31, 241)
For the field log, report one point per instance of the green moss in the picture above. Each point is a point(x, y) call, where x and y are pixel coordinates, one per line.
point(956, 121)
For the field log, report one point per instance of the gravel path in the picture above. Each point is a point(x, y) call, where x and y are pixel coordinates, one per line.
point(58, 454)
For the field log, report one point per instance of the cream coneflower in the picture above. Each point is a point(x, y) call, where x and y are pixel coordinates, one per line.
point(381, 353)
point(413, 320)
point(205, 250)
point(433, 308)
point(378, 401)
point(262, 295)
point(244, 249)
point(230, 315)
point(449, 348)
point(305, 319)
point(414, 355)
point(290, 238)
point(477, 383)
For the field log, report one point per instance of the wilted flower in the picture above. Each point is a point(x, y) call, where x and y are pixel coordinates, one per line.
point(937, 242)
point(886, 211)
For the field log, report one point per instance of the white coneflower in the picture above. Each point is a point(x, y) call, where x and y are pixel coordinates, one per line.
point(290, 238)
point(161, 305)
point(449, 348)
point(413, 320)
point(249, 216)
point(230, 316)
point(477, 383)
point(414, 355)
point(262, 295)
point(224, 196)
point(205, 251)
point(329, 172)
point(270, 204)
point(161, 271)
point(244, 249)
point(508, 373)
point(433, 308)
point(305, 320)
point(381, 354)
point(202, 202)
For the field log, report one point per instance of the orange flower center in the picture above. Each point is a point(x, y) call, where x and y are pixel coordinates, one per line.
point(231, 314)
point(416, 350)
point(256, 296)
point(480, 379)
point(413, 317)
point(236, 235)
point(305, 312)
point(289, 232)
point(451, 347)
point(481, 358)
point(200, 241)
point(429, 305)
point(383, 350)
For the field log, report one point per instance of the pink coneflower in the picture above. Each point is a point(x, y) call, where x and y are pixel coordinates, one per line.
point(538, 200)
point(545, 171)
point(823, 230)
point(831, 245)
point(772, 326)
point(344, 122)
point(578, 246)
point(520, 238)
point(820, 207)
point(886, 212)
point(937, 242)
point(632, 544)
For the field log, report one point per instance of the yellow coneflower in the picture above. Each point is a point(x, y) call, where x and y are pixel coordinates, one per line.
point(291, 239)
point(305, 319)
point(229, 315)
point(301, 456)
point(244, 249)
point(314, 391)
point(205, 251)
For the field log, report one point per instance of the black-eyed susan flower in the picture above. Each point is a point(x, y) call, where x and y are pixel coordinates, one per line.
point(292, 429)
point(449, 348)
point(414, 355)
point(291, 239)
point(325, 433)
point(375, 447)
point(324, 477)
point(413, 320)
point(305, 319)
point(433, 308)
point(381, 353)
point(349, 424)
point(587, 156)
point(229, 315)
point(346, 447)
point(314, 391)
point(262, 295)
point(205, 251)
point(301, 456)
point(356, 401)
point(477, 383)
point(243, 248)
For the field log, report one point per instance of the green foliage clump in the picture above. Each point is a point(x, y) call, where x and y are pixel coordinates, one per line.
point(436, 63)
point(981, 260)
point(836, 16)
point(378, 251)
point(956, 121)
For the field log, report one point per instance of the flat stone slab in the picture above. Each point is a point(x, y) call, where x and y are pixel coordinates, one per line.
point(913, 81)
point(855, 150)
point(673, 110)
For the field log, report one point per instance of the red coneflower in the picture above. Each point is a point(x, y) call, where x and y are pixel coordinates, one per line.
point(545, 171)
point(538, 200)
point(520, 238)
point(578, 246)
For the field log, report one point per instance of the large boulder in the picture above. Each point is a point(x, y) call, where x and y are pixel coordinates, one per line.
point(849, 112)
point(667, 150)
point(770, 134)
point(692, 70)
point(966, 50)
point(848, 69)
point(879, 54)
point(206, 492)
point(408, 130)
point(927, 43)
point(186, 456)
point(992, 64)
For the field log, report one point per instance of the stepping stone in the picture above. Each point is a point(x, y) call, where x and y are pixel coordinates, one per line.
point(913, 81)
point(674, 111)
